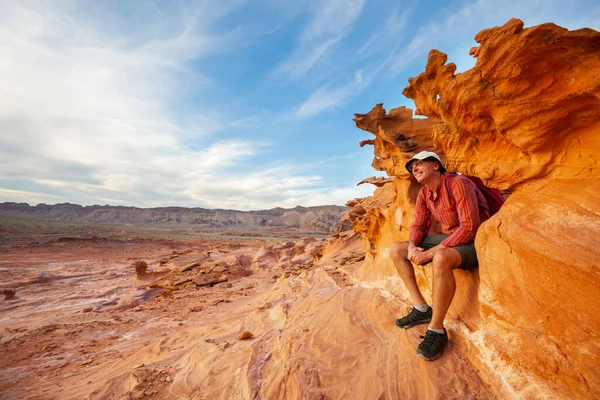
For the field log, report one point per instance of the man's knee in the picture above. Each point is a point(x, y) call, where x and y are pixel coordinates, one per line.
point(399, 251)
point(445, 260)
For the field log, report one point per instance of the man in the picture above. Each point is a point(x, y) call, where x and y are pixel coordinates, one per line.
point(459, 206)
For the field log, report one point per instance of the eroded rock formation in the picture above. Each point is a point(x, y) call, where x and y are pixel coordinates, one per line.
point(525, 118)
point(377, 181)
point(529, 109)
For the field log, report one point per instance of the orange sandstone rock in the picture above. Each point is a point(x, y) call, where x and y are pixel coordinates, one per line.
point(528, 109)
point(525, 118)
point(209, 279)
point(140, 267)
point(245, 335)
point(377, 181)
point(396, 134)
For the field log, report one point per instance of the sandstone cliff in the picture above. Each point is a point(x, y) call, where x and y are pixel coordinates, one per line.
point(526, 118)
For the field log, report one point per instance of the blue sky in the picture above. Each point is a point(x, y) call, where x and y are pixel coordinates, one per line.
point(218, 104)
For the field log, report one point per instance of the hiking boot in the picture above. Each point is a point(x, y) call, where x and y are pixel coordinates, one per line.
point(415, 317)
point(432, 345)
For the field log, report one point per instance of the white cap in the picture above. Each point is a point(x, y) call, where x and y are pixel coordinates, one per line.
point(423, 156)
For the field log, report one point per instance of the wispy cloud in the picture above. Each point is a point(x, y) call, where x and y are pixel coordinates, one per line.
point(330, 21)
point(271, 189)
point(327, 98)
point(331, 97)
point(387, 36)
point(368, 59)
point(27, 196)
point(79, 97)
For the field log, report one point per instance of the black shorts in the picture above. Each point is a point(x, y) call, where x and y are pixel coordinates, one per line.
point(467, 251)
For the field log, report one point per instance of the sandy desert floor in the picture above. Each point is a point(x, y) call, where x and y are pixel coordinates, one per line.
point(78, 306)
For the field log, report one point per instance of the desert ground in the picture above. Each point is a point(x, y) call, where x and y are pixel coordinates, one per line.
point(74, 309)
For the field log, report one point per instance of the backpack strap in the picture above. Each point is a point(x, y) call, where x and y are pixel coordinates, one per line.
point(450, 177)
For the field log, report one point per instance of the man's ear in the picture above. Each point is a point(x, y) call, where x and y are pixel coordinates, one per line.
point(436, 166)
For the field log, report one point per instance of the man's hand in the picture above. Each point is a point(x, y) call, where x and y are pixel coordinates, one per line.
point(421, 257)
point(412, 249)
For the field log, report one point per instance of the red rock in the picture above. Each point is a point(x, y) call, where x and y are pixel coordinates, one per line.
point(191, 265)
point(140, 267)
point(377, 181)
point(209, 279)
point(486, 119)
point(245, 335)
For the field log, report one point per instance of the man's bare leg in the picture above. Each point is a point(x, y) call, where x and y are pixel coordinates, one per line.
point(445, 261)
point(399, 254)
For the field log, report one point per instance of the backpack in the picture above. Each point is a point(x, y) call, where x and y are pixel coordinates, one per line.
point(493, 196)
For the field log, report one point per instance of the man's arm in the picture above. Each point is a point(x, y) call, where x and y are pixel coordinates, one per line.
point(420, 225)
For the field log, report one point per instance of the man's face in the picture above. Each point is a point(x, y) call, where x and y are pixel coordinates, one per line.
point(423, 170)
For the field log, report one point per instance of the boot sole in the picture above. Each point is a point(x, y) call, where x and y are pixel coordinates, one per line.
point(425, 321)
point(435, 357)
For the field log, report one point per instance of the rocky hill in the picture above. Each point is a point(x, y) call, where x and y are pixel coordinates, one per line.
point(317, 219)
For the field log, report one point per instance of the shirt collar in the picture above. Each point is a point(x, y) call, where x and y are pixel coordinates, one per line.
point(443, 176)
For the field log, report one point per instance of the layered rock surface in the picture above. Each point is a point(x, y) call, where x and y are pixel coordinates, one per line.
point(525, 118)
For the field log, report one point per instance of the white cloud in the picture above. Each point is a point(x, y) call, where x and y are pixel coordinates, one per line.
point(327, 98)
point(87, 109)
point(330, 97)
point(51, 182)
point(271, 189)
point(388, 35)
point(339, 195)
point(27, 196)
point(331, 20)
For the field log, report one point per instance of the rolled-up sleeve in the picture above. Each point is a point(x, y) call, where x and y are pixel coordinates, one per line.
point(465, 197)
point(420, 225)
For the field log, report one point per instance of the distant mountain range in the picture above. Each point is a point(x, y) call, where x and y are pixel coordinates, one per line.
point(317, 219)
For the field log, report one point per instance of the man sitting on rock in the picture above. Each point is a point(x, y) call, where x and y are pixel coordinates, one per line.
point(459, 206)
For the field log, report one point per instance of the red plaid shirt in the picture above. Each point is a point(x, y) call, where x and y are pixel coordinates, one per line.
point(459, 213)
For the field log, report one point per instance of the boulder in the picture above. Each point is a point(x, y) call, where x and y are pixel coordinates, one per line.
point(209, 279)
